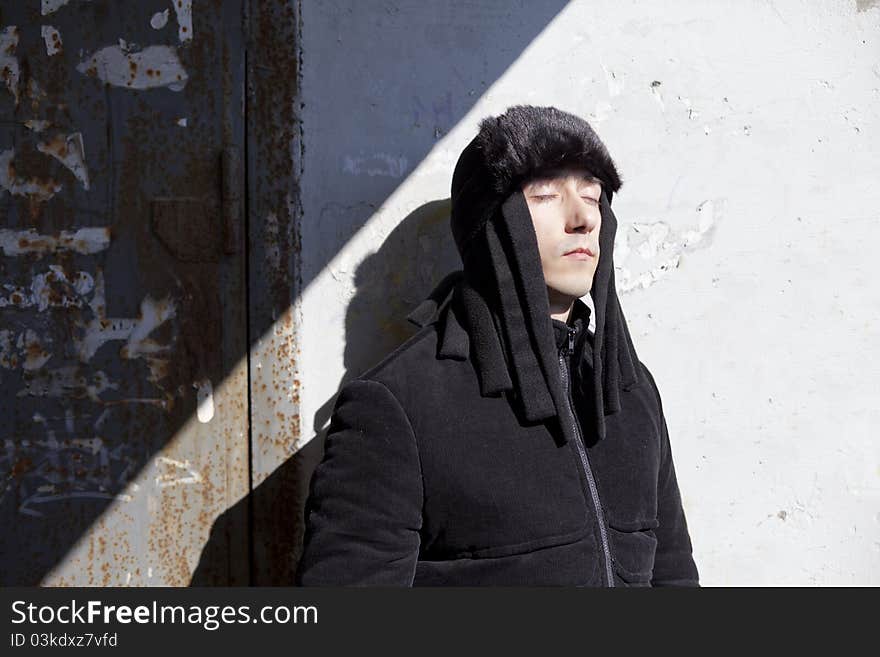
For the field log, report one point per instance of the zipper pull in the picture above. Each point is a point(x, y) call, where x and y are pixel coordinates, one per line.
point(571, 332)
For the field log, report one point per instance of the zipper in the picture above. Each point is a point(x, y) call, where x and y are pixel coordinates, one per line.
point(582, 452)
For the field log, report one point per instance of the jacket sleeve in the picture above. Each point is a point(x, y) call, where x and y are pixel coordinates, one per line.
point(673, 563)
point(363, 514)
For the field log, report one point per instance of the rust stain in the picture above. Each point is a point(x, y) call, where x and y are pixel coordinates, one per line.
point(36, 189)
point(57, 146)
point(22, 466)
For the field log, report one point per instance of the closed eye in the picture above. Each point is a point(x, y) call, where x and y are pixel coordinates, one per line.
point(544, 197)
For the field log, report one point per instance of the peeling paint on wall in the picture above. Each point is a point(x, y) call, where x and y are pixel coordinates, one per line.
point(8, 62)
point(35, 92)
point(183, 9)
point(52, 38)
point(25, 349)
point(173, 472)
point(68, 150)
point(646, 252)
point(51, 6)
point(159, 20)
point(83, 240)
point(36, 125)
point(55, 289)
point(53, 469)
point(41, 189)
point(102, 329)
point(8, 357)
point(378, 164)
point(67, 381)
point(52, 289)
point(34, 350)
point(154, 66)
point(158, 368)
point(153, 313)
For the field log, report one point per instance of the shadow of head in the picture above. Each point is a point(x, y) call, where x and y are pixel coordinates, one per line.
point(389, 284)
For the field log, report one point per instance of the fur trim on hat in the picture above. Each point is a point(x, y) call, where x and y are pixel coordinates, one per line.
point(527, 140)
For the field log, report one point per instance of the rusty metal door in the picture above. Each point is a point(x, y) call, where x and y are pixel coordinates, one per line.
point(123, 305)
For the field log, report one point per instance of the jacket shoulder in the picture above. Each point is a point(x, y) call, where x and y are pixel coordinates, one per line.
point(423, 377)
point(419, 350)
point(649, 382)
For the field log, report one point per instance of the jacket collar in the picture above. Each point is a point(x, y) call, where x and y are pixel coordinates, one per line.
point(453, 340)
point(578, 319)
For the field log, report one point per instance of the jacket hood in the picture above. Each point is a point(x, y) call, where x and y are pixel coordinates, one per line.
point(501, 295)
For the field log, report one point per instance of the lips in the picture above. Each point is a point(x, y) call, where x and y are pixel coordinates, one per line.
point(581, 253)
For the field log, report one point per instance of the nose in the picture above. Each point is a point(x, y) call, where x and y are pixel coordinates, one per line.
point(581, 216)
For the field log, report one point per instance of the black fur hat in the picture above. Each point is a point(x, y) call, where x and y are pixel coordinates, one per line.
point(501, 292)
point(517, 145)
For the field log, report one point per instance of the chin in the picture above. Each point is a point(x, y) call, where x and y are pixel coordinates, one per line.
point(573, 290)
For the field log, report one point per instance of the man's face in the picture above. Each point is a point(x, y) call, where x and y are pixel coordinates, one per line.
point(564, 205)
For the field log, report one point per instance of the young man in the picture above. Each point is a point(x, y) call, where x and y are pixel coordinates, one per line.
point(505, 443)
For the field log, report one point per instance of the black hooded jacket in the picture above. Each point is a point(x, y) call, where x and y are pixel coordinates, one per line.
point(498, 446)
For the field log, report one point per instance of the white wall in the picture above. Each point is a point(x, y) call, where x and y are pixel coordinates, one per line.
point(747, 136)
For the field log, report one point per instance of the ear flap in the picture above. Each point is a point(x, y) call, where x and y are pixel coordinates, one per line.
point(615, 362)
point(516, 336)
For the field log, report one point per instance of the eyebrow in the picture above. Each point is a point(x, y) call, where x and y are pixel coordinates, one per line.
point(551, 178)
